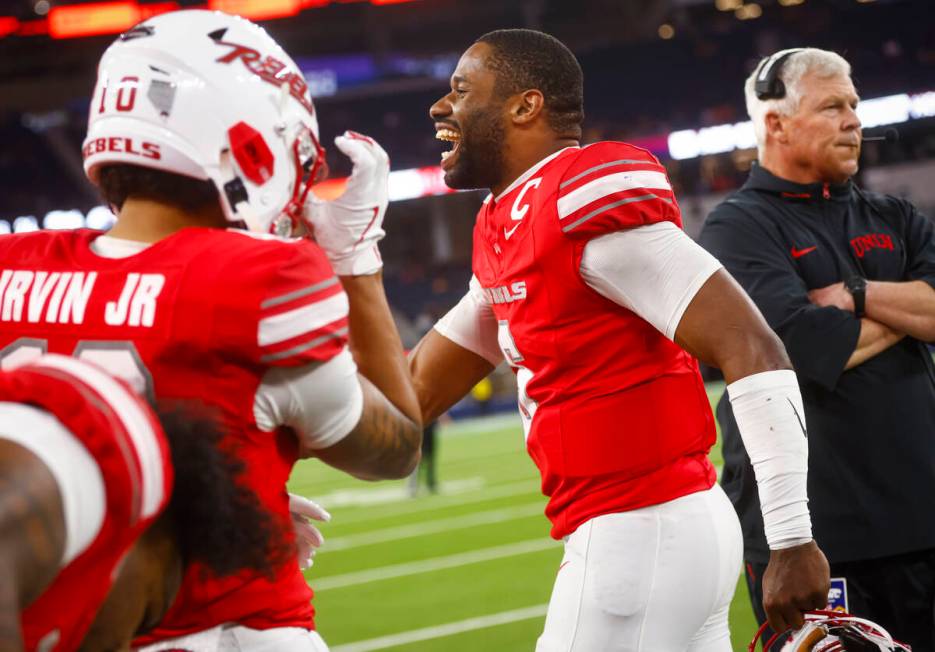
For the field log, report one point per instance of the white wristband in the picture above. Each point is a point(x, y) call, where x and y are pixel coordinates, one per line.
point(771, 419)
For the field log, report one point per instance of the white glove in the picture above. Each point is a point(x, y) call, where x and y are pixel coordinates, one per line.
point(348, 228)
point(307, 537)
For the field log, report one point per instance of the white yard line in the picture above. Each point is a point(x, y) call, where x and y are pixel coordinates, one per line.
point(470, 492)
point(397, 533)
point(432, 564)
point(448, 629)
point(368, 496)
point(481, 425)
point(460, 428)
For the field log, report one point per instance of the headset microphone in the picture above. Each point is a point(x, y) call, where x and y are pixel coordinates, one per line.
point(890, 136)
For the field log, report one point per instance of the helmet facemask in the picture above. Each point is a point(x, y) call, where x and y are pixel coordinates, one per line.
point(308, 157)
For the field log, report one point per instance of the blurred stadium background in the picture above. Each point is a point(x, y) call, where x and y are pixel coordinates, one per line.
point(472, 566)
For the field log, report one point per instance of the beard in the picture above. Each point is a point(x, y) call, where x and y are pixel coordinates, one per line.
point(479, 162)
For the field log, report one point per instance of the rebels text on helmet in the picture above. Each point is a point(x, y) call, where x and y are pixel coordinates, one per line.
point(123, 145)
point(270, 70)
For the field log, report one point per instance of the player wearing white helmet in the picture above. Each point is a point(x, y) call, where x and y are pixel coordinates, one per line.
point(200, 122)
point(226, 105)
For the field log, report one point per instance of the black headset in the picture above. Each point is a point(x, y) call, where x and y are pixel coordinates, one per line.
point(768, 85)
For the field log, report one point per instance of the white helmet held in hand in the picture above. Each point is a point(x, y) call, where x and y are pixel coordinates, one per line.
point(832, 631)
point(210, 96)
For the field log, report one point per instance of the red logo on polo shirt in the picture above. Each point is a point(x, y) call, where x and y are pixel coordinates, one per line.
point(864, 243)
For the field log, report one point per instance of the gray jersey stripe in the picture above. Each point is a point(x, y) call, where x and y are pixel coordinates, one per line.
point(604, 209)
point(304, 347)
point(285, 298)
point(624, 161)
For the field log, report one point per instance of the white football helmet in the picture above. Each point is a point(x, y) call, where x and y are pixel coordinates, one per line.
point(210, 96)
point(833, 631)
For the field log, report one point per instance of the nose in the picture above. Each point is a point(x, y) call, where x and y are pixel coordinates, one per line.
point(851, 120)
point(440, 109)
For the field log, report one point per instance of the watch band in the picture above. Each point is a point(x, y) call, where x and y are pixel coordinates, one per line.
point(857, 286)
point(860, 301)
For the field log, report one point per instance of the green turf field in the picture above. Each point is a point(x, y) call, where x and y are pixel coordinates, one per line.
point(468, 569)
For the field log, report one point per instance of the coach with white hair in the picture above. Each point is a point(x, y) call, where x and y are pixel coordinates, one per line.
point(845, 277)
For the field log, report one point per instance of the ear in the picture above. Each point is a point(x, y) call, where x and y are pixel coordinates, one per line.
point(777, 127)
point(525, 107)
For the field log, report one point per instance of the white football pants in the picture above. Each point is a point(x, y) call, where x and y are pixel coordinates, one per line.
point(657, 579)
point(235, 638)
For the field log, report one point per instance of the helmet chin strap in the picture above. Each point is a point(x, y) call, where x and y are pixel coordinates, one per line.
point(238, 198)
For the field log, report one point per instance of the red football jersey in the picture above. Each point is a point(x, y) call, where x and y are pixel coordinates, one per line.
point(615, 414)
point(202, 314)
point(125, 440)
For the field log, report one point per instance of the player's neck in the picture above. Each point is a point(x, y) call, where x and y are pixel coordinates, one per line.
point(145, 220)
point(524, 158)
point(787, 169)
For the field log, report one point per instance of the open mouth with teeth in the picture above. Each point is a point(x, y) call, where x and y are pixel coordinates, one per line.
point(450, 136)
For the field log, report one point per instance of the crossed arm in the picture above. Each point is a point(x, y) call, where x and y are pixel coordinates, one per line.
point(893, 310)
point(817, 325)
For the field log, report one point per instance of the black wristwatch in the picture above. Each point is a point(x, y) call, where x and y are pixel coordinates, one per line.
point(857, 286)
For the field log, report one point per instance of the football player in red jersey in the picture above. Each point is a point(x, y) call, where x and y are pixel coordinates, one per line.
point(201, 122)
point(586, 285)
point(102, 505)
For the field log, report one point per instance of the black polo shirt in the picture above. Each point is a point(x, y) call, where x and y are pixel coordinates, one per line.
point(871, 429)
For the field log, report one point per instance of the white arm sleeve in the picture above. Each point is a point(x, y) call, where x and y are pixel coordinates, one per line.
point(322, 402)
point(771, 419)
point(79, 478)
point(472, 325)
point(653, 270)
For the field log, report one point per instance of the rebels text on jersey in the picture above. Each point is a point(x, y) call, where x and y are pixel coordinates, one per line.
point(201, 314)
point(615, 414)
point(127, 445)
